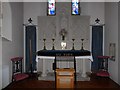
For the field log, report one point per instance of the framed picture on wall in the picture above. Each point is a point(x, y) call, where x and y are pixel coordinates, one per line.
point(75, 7)
point(112, 50)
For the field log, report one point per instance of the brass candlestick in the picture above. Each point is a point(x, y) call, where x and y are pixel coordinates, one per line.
point(53, 47)
point(82, 44)
point(73, 44)
point(44, 48)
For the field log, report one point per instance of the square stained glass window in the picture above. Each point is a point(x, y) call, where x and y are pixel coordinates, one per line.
point(75, 7)
point(51, 7)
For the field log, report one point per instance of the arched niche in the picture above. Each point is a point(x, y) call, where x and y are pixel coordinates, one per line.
point(6, 32)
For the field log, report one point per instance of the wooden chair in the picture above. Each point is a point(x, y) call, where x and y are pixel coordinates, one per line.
point(103, 68)
point(17, 74)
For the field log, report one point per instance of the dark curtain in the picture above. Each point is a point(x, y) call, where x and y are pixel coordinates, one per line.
point(30, 46)
point(97, 45)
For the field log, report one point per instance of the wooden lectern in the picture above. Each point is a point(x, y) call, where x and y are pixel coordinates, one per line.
point(65, 78)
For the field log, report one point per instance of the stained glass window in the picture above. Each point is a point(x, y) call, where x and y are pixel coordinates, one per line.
point(75, 7)
point(51, 7)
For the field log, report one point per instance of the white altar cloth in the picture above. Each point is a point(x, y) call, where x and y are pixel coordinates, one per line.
point(53, 57)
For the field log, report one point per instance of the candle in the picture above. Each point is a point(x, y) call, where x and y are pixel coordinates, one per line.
point(73, 36)
point(44, 36)
point(53, 36)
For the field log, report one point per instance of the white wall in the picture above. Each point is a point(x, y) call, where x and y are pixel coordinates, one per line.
point(0, 62)
point(111, 36)
point(15, 47)
point(35, 9)
point(72, 24)
point(94, 10)
point(0, 16)
point(119, 43)
point(0, 49)
point(6, 31)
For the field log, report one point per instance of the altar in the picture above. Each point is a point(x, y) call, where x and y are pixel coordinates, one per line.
point(46, 55)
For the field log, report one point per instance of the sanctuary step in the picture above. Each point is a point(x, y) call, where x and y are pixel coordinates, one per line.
point(51, 77)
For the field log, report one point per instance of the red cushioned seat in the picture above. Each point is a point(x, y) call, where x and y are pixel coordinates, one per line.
point(103, 74)
point(20, 76)
point(103, 67)
point(104, 57)
point(17, 69)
